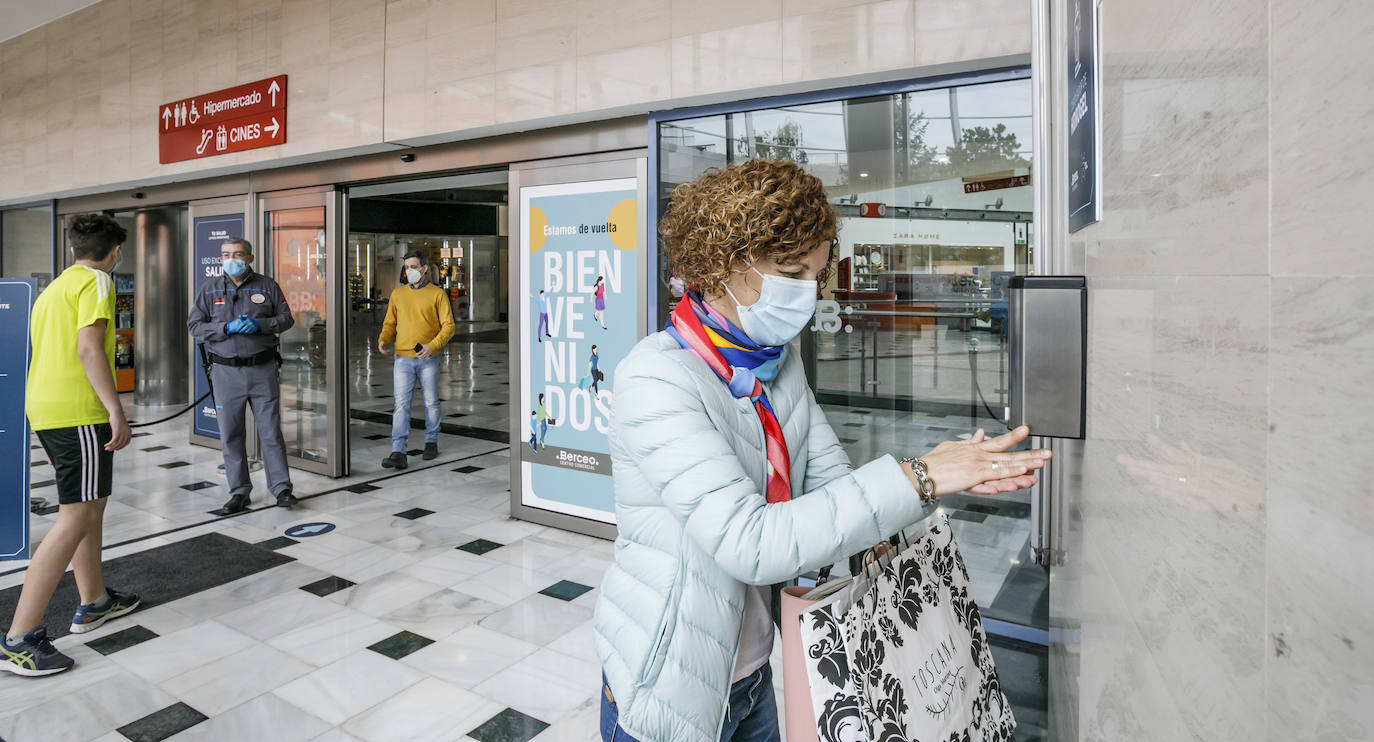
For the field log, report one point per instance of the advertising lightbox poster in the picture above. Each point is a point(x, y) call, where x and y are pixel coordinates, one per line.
point(579, 259)
point(209, 232)
point(16, 307)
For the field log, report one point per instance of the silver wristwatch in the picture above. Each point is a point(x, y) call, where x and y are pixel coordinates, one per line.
point(926, 485)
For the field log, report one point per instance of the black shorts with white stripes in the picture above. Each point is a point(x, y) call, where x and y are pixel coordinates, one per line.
point(84, 467)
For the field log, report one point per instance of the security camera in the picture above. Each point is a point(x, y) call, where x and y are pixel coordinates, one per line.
point(139, 195)
point(408, 157)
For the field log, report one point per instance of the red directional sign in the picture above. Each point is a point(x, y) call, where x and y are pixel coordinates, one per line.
point(230, 120)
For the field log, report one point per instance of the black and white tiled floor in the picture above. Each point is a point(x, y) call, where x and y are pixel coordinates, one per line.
point(426, 613)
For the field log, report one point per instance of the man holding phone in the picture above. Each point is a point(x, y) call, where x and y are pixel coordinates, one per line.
point(420, 320)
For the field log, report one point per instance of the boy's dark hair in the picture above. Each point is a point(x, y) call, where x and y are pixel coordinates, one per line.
point(93, 236)
point(420, 255)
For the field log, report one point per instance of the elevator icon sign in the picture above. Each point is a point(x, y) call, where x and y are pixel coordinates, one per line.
point(231, 120)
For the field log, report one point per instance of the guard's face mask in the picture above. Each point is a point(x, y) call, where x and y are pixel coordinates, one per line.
point(233, 267)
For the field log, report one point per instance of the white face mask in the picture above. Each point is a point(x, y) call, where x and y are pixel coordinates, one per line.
point(414, 276)
point(784, 308)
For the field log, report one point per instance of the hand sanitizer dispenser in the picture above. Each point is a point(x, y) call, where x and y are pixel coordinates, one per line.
point(1048, 333)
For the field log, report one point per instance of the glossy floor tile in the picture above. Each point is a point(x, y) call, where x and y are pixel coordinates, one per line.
point(423, 613)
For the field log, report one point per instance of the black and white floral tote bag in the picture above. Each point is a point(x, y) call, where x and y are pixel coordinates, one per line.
point(834, 699)
point(916, 652)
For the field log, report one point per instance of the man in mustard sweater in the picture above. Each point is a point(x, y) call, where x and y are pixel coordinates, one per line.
point(420, 320)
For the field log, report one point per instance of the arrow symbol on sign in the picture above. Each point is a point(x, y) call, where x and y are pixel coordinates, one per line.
point(166, 116)
point(274, 88)
point(315, 528)
point(274, 127)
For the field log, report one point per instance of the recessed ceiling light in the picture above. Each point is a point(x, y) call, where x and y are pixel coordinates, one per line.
point(863, 175)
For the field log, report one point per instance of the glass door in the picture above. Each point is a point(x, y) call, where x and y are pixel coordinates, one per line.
point(299, 247)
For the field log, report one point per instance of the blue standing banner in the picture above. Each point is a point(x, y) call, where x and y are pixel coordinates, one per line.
point(209, 232)
point(16, 306)
point(1085, 164)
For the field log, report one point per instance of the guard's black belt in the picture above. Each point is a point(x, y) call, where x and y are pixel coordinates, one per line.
point(254, 360)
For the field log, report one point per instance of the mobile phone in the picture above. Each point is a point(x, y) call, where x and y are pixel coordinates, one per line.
point(418, 346)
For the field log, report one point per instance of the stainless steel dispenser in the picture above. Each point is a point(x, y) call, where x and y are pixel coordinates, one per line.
point(1048, 318)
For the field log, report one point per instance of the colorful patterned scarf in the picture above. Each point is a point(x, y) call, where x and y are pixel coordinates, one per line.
point(743, 366)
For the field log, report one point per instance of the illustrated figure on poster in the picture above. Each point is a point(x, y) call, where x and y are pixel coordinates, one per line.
point(543, 330)
point(599, 303)
point(594, 371)
point(542, 415)
point(534, 430)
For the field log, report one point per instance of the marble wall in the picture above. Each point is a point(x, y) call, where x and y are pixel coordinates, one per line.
point(1215, 542)
point(79, 97)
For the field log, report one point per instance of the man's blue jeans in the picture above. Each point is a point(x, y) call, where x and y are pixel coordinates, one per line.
point(406, 371)
point(751, 717)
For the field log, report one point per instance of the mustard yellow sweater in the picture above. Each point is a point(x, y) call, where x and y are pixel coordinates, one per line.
point(421, 315)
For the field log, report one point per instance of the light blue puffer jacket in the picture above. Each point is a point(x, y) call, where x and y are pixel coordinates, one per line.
point(694, 529)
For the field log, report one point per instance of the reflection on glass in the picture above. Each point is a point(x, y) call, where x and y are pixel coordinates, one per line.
point(26, 237)
point(908, 348)
point(297, 242)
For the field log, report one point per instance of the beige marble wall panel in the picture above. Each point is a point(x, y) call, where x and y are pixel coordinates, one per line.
point(1121, 354)
point(536, 92)
point(146, 46)
point(700, 16)
point(624, 77)
point(854, 40)
point(1184, 150)
point(727, 59)
point(465, 104)
point(609, 25)
point(1175, 501)
point(1320, 642)
point(530, 33)
point(368, 71)
point(946, 31)
point(440, 59)
point(1322, 172)
point(1122, 697)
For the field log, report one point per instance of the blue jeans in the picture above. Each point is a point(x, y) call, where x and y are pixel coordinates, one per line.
point(404, 374)
point(752, 715)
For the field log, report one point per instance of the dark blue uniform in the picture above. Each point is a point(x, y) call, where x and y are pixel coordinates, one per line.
point(254, 383)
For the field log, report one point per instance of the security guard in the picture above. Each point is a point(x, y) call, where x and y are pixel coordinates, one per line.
point(238, 316)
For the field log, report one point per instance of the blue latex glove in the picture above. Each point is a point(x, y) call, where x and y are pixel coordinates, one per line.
point(232, 326)
point(248, 326)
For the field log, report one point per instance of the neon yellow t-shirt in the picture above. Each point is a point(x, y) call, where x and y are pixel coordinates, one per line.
point(59, 394)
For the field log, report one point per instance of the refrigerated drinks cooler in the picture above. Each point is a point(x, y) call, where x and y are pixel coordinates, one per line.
point(124, 332)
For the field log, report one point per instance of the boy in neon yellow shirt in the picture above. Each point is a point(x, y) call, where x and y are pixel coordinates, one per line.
point(420, 319)
point(73, 407)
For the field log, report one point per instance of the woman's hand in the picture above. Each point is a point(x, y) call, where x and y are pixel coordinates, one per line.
point(983, 466)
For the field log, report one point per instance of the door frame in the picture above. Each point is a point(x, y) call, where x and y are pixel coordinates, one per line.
point(335, 208)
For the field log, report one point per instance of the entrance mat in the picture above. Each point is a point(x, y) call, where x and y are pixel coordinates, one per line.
point(159, 575)
point(418, 423)
point(499, 335)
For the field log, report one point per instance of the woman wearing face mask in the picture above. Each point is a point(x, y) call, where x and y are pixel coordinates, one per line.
point(728, 479)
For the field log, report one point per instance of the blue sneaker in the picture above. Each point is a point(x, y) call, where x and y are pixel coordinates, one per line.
point(33, 656)
point(89, 618)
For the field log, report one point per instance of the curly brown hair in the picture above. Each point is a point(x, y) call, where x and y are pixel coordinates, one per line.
point(730, 218)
